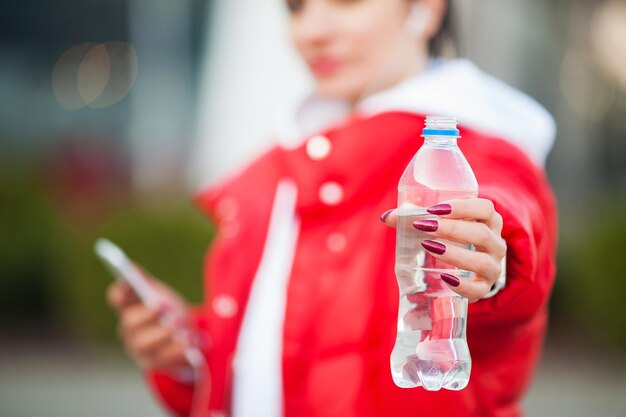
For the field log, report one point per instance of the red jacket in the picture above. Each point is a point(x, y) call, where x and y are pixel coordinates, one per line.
point(341, 312)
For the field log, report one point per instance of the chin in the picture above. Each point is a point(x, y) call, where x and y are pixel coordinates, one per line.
point(340, 87)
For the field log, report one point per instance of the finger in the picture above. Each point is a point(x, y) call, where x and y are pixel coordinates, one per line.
point(479, 209)
point(478, 262)
point(390, 218)
point(120, 295)
point(473, 289)
point(149, 340)
point(135, 317)
point(463, 231)
point(171, 356)
point(486, 269)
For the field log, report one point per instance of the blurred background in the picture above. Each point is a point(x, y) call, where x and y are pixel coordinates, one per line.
point(113, 113)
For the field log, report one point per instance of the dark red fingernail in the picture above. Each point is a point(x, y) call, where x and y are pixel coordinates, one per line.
point(451, 280)
point(426, 225)
point(440, 209)
point(434, 247)
point(384, 216)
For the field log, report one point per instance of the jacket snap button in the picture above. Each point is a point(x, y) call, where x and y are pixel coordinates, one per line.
point(336, 242)
point(224, 306)
point(318, 148)
point(331, 193)
point(227, 208)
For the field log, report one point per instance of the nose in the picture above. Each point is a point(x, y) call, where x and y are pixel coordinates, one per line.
point(314, 25)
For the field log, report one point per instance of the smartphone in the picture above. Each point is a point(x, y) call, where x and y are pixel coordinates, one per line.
point(122, 268)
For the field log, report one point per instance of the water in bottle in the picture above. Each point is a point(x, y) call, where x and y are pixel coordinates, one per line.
point(431, 349)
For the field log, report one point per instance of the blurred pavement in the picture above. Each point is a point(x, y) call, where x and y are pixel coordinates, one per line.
point(54, 381)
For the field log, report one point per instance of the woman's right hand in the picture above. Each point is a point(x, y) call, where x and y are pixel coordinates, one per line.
point(151, 343)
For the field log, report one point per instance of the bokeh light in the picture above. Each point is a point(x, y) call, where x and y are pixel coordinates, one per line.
point(97, 75)
point(65, 76)
point(123, 70)
point(93, 73)
point(608, 40)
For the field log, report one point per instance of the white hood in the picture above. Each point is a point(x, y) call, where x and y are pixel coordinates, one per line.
point(451, 88)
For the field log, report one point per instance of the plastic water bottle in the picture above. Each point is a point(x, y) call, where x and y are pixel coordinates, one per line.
point(431, 348)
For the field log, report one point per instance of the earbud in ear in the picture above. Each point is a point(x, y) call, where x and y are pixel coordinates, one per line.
point(418, 19)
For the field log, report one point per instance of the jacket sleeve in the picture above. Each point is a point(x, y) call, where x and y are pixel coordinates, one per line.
point(522, 196)
point(176, 392)
point(174, 395)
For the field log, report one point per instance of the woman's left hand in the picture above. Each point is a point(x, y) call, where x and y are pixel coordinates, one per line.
point(468, 221)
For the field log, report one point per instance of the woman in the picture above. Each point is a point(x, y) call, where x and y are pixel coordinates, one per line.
point(301, 307)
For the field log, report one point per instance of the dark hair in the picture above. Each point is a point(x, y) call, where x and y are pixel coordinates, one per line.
point(447, 34)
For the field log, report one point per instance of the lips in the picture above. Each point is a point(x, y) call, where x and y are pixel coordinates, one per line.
point(325, 66)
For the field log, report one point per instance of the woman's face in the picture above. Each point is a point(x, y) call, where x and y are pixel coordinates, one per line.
point(355, 47)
